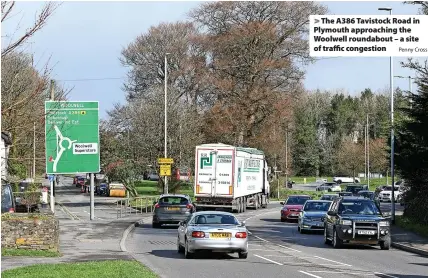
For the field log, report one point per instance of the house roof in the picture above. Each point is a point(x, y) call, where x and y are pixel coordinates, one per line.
point(6, 138)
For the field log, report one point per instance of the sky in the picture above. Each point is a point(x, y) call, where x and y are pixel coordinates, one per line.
point(83, 42)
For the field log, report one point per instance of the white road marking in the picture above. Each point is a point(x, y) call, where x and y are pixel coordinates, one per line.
point(264, 250)
point(387, 275)
point(339, 272)
point(277, 244)
point(268, 260)
point(332, 261)
point(309, 274)
point(281, 256)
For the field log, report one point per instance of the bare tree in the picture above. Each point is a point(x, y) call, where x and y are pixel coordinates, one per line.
point(7, 8)
point(253, 48)
point(350, 157)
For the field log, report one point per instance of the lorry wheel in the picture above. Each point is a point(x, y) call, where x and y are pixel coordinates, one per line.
point(244, 204)
point(239, 210)
point(256, 203)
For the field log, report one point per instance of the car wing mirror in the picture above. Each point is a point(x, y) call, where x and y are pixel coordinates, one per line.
point(331, 213)
point(281, 203)
point(243, 223)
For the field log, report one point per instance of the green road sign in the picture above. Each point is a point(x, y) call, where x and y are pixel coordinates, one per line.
point(72, 137)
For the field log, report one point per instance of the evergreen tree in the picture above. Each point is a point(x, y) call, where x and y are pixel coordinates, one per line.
point(412, 152)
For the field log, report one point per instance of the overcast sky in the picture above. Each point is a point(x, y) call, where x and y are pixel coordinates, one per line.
point(84, 41)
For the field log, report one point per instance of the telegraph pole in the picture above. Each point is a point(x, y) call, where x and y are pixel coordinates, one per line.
point(34, 151)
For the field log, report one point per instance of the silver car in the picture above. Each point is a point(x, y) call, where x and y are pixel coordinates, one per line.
point(213, 231)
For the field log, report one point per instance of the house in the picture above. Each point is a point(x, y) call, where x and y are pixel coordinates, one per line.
point(6, 142)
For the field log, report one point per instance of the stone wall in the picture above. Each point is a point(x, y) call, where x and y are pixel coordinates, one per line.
point(30, 231)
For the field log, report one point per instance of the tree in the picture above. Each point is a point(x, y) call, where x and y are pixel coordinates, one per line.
point(8, 10)
point(378, 155)
point(252, 49)
point(411, 147)
point(350, 157)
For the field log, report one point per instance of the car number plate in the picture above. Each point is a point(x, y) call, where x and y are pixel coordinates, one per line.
point(363, 232)
point(294, 214)
point(220, 235)
point(172, 208)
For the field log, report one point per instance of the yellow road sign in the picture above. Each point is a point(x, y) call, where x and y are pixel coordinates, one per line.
point(165, 170)
point(165, 160)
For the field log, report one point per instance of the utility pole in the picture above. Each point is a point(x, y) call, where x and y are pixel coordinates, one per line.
point(286, 155)
point(34, 151)
point(365, 152)
point(52, 185)
point(180, 143)
point(166, 119)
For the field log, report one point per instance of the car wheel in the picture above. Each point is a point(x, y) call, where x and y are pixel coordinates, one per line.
point(180, 249)
point(326, 240)
point(302, 231)
point(282, 220)
point(243, 255)
point(337, 242)
point(298, 229)
point(187, 254)
point(386, 244)
point(156, 225)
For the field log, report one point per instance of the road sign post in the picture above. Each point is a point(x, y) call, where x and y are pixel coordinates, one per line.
point(72, 138)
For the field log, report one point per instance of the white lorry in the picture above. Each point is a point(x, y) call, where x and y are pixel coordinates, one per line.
point(229, 177)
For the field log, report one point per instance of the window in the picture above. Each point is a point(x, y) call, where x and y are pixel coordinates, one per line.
point(173, 200)
point(214, 219)
point(297, 200)
point(316, 206)
point(358, 207)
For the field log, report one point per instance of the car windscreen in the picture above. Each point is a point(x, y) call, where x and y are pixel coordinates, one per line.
point(214, 219)
point(296, 200)
point(316, 206)
point(173, 201)
point(358, 207)
point(328, 197)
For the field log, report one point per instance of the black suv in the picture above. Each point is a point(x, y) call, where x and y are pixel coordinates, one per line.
point(355, 188)
point(356, 220)
point(171, 209)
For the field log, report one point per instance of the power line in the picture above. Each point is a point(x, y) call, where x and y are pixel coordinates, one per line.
point(91, 79)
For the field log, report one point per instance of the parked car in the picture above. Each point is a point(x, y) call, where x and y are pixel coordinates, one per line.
point(101, 189)
point(153, 176)
point(214, 231)
point(79, 181)
point(355, 188)
point(356, 220)
point(345, 179)
point(312, 216)
point(171, 209)
point(293, 206)
point(329, 197)
point(369, 195)
point(7, 199)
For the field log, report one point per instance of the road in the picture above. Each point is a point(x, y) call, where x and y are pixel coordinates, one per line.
point(76, 205)
point(276, 250)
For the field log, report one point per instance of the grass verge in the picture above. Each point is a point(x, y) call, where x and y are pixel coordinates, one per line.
point(29, 253)
point(100, 269)
point(410, 225)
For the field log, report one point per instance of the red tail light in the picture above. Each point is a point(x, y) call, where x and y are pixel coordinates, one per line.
point(189, 206)
point(11, 210)
point(198, 234)
point(157, 206)
point(241, 235)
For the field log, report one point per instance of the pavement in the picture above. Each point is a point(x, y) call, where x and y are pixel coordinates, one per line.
point(80, 238)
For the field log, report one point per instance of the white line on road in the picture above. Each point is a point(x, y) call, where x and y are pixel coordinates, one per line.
point(340, 272)
point(268, 260)
point(281, 256)
point(387, 275)
point(277, 244)
point(309, 274)
point(332, 261)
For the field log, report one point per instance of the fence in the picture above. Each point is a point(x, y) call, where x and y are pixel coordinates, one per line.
point(135, 205)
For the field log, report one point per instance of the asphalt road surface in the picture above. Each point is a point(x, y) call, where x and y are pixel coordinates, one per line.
point(76, 205)
point(276, 250)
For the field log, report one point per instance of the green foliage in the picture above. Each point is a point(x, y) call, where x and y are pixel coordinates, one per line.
point(411, 225)
point(411, 147)
point(17, 169)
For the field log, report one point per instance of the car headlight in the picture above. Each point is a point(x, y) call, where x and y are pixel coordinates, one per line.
point(284, 209)
point(384, 223)
point(345, 222)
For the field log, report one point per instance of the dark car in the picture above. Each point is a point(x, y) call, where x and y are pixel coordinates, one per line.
point(293, 206)
point(101, 189)
point(344, 194)
point(356, 220)
point(369, 195)
point(171, 209)
point(329, 197)
point(355, 188)
point(7, 199)
point(312, 216)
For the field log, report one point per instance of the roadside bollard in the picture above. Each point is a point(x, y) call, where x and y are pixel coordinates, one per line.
point(304, 180)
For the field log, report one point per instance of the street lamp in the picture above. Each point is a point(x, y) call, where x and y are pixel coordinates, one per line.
point(410, 85)
point(166, 119)
point(391, 81)
point(367, 149)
